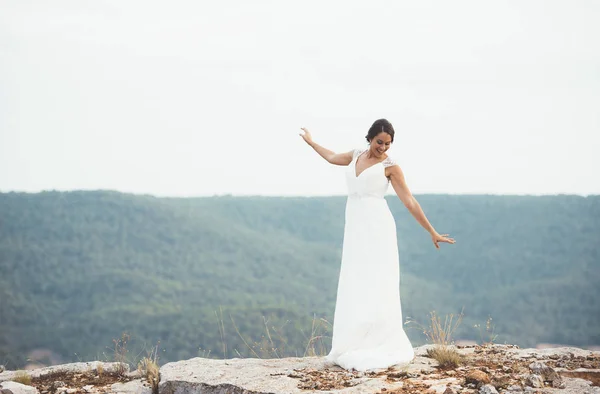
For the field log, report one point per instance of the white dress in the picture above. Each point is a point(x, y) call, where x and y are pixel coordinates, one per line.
point(367, 326)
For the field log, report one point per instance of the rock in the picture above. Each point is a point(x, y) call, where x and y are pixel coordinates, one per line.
point(547, 373)
point(71, 391)
point(422, 350)
point(18, 388)
point(539, 368)
point(441, 389)
point(136, 374)
point(576, 386)
point(488, 389)
point(133, 387)
point(560, 352)
point(534, 380)
point(57, 385)
point(511, 371)
point(558, 383)
point(72, 368)
point(279, 376)
point(477, 377)
point(501, 382)
point(513, 389)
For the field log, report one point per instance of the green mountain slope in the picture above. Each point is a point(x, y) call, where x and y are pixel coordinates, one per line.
point(79, 268)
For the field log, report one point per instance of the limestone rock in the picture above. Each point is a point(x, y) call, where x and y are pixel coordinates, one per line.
point(288, 375)
point(72, 368)
point(18, 388)
point(133, 387)
point(531, 353)
point(488, 389)
point(487, 370)
point(442, 387)
point(513, 389)
point(57, 385)
point(547, 373)
point(535, 381)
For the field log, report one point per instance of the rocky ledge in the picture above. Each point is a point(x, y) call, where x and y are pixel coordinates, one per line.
point(484, 370)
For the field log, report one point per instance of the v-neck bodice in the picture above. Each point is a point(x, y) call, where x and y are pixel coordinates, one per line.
point(371, 182)
point(366, 168)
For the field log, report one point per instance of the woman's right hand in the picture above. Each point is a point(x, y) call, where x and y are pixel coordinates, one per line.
point(436, 238)
point(306, 135)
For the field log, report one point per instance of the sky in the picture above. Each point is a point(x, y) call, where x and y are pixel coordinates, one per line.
point(201, 98)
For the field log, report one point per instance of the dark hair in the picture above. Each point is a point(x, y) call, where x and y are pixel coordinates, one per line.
point(380, 125)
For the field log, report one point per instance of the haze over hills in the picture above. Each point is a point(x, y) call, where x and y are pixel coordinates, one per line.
point(198, 274)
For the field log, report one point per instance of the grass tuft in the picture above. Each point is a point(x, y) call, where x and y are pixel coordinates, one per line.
point(273, 343)
point(148, 366)
point(446, 357)
point(489, 329)
point(22, 377)
point(440, 334)
point(120, 352)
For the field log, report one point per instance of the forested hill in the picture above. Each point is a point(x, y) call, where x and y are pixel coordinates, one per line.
point(197, 274)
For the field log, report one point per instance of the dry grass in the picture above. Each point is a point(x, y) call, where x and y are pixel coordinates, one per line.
point(446, 357)
point(273, 343)
point(203, 353)
point(437, 332)
point(149, 369)
point(22, 377)
point(222, 331)
point(100, 369)
point(77, 381)
point(120, 352)
point(315, 345)
point(489, 329)
point(440, 333)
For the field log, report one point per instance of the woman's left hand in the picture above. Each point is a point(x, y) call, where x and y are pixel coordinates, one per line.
point(436, 238)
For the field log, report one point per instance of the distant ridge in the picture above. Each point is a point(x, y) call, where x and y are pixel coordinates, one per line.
point(80, 268)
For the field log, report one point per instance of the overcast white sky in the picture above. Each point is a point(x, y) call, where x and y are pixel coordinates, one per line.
point(190, 98)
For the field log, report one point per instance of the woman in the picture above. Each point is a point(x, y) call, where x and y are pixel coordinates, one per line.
point(367, 326)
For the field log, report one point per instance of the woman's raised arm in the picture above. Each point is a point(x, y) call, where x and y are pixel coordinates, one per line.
point(340, 159)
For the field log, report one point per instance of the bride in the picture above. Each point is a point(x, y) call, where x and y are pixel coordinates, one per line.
point(367, 325)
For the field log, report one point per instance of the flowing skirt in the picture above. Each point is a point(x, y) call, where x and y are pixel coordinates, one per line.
point(367, 329)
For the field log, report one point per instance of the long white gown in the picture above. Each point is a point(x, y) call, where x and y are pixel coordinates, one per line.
point(367, 327)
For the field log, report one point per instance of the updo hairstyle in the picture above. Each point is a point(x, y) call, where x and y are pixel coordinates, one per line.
point(380, 125)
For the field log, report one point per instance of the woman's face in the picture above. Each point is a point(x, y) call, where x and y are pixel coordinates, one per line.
point(380, 144)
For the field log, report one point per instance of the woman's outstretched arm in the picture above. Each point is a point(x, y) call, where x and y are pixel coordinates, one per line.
point(410, 202)
point(340, 159)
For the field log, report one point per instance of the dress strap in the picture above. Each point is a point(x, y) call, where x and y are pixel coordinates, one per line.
point(356, 153)
point(389, 162)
